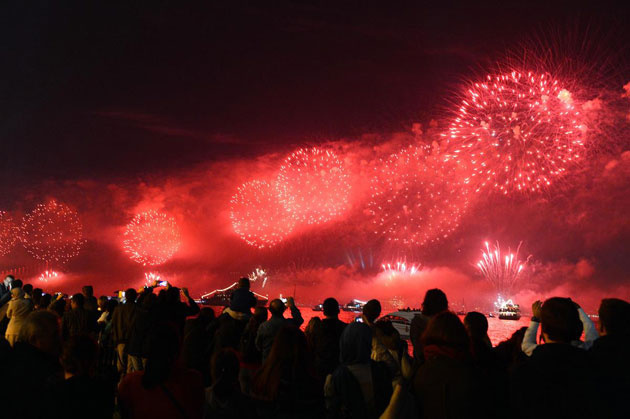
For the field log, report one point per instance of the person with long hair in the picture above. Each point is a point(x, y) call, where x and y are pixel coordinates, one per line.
point(286, 385)
point(165, 389)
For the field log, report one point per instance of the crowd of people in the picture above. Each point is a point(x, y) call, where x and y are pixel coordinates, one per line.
point(155, 354)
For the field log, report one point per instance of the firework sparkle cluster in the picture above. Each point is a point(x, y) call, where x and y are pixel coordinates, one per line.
point(501, 271)
point(517, 132)
point(151, 238)
point(8, 232)
point(52, 232)
point(312, 187)
point(416, 198)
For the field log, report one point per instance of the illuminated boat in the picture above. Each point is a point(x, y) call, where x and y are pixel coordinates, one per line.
point(401, 320)
point(221, 297)
point(354, 306)
point(509, 311)
point(318, 307)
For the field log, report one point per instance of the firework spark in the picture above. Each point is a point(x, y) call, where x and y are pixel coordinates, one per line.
point(416, 198)
point(48, 275)
point(393, 270)
point(8, 233)
point(259, 274)
point(516, 132)
point(52, 232)
point(503, 272)
point(314, 185)
point(151, 238)
point(258, 216)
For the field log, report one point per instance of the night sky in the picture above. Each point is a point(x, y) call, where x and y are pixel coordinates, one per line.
point(114, 109)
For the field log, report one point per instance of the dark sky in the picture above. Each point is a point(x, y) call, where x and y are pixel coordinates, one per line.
point(115, 107)
point(104, 89)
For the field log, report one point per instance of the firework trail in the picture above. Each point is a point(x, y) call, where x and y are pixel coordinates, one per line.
point(48, 275)
point(314, 185)
point(501, 271)
point(259, 274)
point(258, 216)
point(52, 232)
point(416, 198)
point(393, 270)
point(516, 132)
point(151, 238)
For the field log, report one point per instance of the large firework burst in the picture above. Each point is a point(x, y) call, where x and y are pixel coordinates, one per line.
point(517, 131)
point(151, 238)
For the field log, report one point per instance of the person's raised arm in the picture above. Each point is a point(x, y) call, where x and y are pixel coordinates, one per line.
point(529, 340)
point(192, 307)
point(296, 316)
point(590, 331)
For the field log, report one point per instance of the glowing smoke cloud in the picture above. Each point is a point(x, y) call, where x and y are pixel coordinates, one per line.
point(151, 238)
point(258, 216)
point(7, 233)
point(313, 184)
point(52, 232)
point(517, 132)
point(503, 272)
point(416, 198)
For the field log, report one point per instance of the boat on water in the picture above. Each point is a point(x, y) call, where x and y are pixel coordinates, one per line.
point(318, 307)
point(354, 306)
point(509, 311)
point(221, 297)
point(401, 320)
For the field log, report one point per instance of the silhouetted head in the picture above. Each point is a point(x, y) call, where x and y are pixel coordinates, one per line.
point(243, 283)
point(162, 352)
point(260, 314)
point(206, 315)
point(41, 330)
point(277, 307)
point(355, 344)
point(330, 307)
point(8, 280)
point(102, 303)
point(445, 329)
point(28, 289)
point(371, 310)
point(131, 295)
point(17, 283)
point(614, 316)
point(37, 295)
point(17, 293)
point(77, 301)
point(476, 325)
point(88, 291)
point(560, 321)
point(434, 302)
point(78, 356)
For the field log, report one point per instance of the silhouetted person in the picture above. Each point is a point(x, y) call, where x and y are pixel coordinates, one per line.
point(196, 349)
point(268, 330)
point(19, 308)
point(447, 385)
point(224, 399)
point(587, 325)
point(559, 373)
point(81, 393)
point(434, 302)
point(242, 299)
point(122, 326)
point(251, 356)
point(165, 389)
point(326, 343)
point(77, 321)
point(89, 302)
point(34, 371)
point(359, 387)
point(611, 353)
point(286, 386)
point(371, 311)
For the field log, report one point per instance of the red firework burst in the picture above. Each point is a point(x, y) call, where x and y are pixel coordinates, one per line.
point(516, 132)
point(8, 233)
point(416, 198)
point(258, 216)
point(314, 185)
point(52, 232)
point(151, 238)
